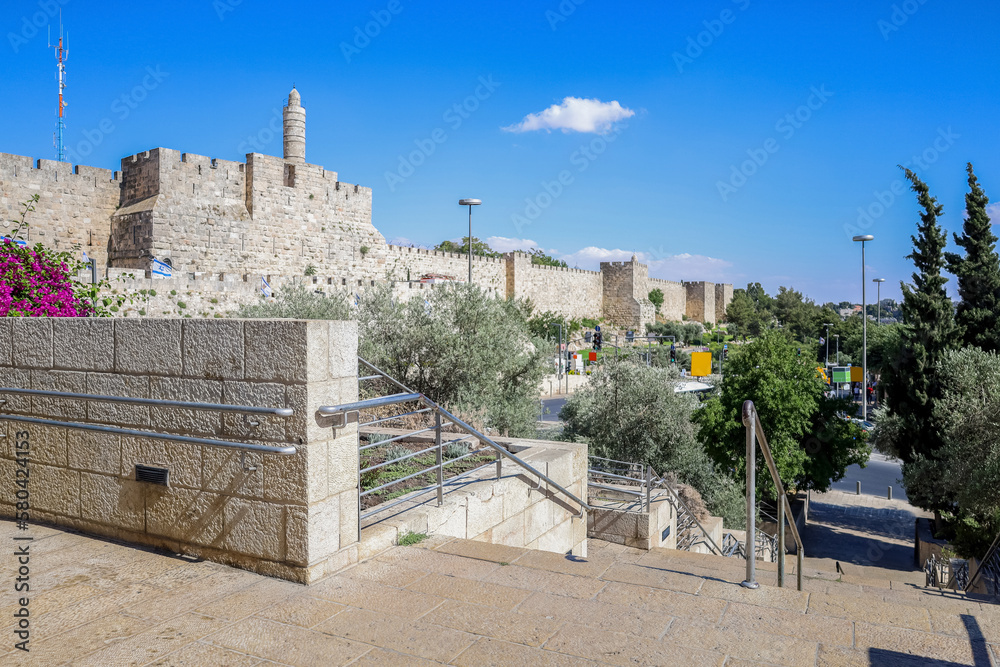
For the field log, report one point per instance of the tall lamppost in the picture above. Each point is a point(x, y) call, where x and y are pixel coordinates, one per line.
point(864, 329)
point(470, 203)
point(837, 336)
point(827, 325)
point(878, 290)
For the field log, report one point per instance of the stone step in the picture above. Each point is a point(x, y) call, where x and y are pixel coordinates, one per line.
point(692, 606)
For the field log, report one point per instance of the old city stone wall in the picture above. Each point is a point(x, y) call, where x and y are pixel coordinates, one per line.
point(223, 225)
point(75, 205)
point(569, 292)
point(674, 298)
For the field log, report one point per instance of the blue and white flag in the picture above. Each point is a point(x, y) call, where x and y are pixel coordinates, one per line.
point(161, 268)
point(23, 244)
point(86, 260)
point(265, 287)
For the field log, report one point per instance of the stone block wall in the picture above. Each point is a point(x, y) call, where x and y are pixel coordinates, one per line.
point(674, 298)
point(569, 292)
point(75, 206)
point(626, 299)
point(723, 297)
point(701, 301)
point(409, 264)
point(293, 517)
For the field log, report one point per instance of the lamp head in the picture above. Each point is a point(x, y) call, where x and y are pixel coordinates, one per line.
point(878, 280)
point(866, 237)
point(469, 202)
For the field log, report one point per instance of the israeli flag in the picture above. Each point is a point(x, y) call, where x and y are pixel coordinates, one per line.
point(265, 287)
point(161, 269)
point(23, 244)
point(86, 260)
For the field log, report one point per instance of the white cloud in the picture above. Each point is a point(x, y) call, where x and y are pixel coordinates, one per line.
point(575, 115)
point(668, 267)
point(993, 210)
point(504, 244)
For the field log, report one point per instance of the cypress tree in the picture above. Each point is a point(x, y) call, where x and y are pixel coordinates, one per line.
point(929, 331)
point(978, 273)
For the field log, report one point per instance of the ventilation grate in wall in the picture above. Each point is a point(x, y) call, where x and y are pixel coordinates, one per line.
point(151, 474)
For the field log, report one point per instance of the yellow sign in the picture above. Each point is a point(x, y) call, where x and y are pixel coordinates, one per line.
point(701, 364)
point(857, 374)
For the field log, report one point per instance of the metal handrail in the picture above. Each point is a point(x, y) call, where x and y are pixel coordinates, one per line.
point(442, 418)
point(649, 480)
point(987, 564)
point(755, 432)
point(285, 450)
point(152, 402)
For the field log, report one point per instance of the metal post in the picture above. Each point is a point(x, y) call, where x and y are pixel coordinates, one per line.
point(499, 465)
point(751, 581)
point(781, 542)
point(859, 489)
point(864, 339)
point(889, 496)
point(440, 457)
point(649, 482)
point(92, 263)
point(470, 244)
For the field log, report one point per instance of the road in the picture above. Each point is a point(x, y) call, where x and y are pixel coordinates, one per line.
point(552, 408)
point(881, 473)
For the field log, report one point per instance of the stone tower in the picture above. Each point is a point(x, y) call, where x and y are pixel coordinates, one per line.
point(295, 129)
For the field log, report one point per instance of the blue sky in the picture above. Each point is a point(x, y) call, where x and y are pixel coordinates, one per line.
point(748, 138)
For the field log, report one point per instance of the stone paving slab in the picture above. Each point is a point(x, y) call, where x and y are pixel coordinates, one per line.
point(463, 603)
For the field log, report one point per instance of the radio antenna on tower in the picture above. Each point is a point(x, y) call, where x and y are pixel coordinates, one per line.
point(62, 54)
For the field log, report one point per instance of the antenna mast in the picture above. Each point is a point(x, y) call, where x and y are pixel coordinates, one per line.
point(62, 54)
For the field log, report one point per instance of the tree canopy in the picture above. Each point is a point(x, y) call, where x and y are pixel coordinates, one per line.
point(811, 445)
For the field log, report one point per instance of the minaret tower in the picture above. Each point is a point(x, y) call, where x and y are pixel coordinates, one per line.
point(295, 129)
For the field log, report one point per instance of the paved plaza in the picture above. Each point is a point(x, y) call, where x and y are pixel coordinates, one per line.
point(460, 602)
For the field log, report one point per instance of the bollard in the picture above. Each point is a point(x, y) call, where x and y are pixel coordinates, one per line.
point(859, 488)
point(890, 493)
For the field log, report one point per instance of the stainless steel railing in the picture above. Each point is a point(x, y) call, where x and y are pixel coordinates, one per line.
point(285, 450)
point(442, 419)
point(643, 476)
point(755, 434)
point(988, 570)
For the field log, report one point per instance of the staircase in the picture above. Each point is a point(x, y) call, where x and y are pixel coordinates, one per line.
point(628, 606)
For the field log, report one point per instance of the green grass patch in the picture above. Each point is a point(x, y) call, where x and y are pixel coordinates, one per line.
point(409, 539)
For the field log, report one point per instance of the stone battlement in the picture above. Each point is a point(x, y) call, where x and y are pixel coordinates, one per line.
point(444, 255)
point(222, 224)
point(19, 166)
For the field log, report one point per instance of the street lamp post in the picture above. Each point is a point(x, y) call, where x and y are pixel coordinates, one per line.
point(878, 290)
point(559, 356)
point(864, 329)
point(837, 336)
point(470, 203)
point(827, 325)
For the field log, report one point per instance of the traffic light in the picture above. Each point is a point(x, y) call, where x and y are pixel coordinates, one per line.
point(673, 355)
point(725, 353)
point(598, 339)
point(800, 351)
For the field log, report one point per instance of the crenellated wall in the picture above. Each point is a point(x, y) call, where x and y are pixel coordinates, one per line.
point(674, 297)
point(569, 292)
point(75, 203)
point(409, 264)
